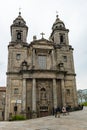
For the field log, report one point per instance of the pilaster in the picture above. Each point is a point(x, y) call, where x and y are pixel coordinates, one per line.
point(33, 58)
point(75, 93)
point(63, 92)
point(54, 93)
point(24, 96)
point(34, 99)
point(53, 60)
point(34, 95)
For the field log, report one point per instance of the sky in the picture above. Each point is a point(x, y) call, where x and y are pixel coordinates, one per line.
point(40, 16)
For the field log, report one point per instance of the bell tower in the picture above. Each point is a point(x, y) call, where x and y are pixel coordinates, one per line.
point(59, 33)
point(19, 30)
point(17, 53)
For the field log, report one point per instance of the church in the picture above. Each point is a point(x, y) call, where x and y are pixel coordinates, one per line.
point(40, 74)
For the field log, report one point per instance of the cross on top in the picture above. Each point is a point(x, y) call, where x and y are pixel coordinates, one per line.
point(42, 34)
point(57, 14)
point(19, 11)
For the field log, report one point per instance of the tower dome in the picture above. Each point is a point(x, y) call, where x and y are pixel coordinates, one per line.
point(19, 21)
point(19, 30)
point(59, 33)
point(58, 24)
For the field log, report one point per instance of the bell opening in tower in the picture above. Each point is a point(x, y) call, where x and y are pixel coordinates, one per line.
point(19, 36)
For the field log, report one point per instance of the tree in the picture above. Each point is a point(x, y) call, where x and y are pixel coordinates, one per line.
point(85, 97)
point(80, 96)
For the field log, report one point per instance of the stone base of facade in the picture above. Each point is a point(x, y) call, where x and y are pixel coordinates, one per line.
point(34, 115)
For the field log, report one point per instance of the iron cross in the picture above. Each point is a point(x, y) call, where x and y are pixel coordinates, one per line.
point(42, 34)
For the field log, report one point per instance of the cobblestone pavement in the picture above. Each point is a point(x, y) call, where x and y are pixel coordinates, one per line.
point(75, 121)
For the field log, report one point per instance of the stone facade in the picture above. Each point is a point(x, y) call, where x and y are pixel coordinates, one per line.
point(40, 75)
point(2, 103)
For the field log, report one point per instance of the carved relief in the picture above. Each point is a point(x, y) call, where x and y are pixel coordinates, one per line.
point(43, 94)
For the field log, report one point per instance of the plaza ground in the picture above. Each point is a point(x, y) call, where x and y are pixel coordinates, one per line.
point(75, 121)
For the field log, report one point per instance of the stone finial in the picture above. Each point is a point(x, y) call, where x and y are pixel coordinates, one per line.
point(19, 11)
point(57, 14)
point(34, 38)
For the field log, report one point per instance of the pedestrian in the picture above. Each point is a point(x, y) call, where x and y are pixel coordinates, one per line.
point(67, 109)
point(55, 112)
point(58, 112)
point(64, 110)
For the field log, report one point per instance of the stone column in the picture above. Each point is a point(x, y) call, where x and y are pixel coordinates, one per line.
point(54, 93)
point(53, 60)
point(24, 96)
point(63, 92)
point(8, 99)
point(33, 57)
point(34, 95)
point(75, 93)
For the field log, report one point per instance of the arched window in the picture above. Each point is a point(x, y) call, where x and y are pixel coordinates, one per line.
point(61, 39)
point(19, 36)
point(43, 89)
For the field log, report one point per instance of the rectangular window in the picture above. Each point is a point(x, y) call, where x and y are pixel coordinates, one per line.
point(68, 91)
point(16, 90)
point(42, 62)
point(18, 36)
point(18, 56)
point(65, 58)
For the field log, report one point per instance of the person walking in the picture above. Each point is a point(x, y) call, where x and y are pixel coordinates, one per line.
point(67, 109)
point(55, 112)
point(64, 110)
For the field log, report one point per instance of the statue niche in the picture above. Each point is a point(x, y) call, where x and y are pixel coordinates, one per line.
point(43, 93)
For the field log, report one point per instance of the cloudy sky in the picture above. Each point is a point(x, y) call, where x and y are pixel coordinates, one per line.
point(40, 16)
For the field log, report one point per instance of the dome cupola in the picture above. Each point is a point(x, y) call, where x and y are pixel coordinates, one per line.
point(19, 30)
point(58, 24)
point(19, 21)
point(59, 33)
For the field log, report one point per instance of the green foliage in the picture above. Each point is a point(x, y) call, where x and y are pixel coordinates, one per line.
point(84, 103)
point(18, 117)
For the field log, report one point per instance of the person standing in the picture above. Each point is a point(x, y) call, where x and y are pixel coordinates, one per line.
point(58, 112)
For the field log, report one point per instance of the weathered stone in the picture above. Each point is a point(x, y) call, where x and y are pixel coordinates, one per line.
point(41, 74)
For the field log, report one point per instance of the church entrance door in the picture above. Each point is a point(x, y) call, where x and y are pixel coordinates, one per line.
point(43, 113)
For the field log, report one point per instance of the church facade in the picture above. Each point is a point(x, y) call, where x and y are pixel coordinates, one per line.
point(40, 75)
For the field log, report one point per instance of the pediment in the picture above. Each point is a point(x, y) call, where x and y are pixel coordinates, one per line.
point(41, 42)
